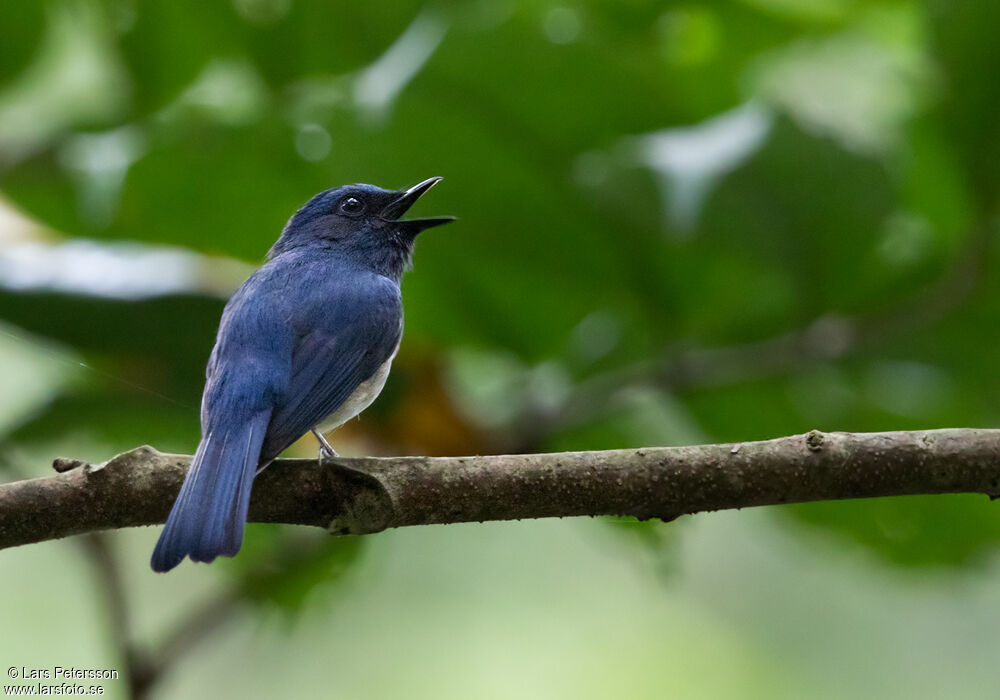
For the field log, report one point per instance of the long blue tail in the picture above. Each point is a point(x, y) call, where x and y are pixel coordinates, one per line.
point(211, 509)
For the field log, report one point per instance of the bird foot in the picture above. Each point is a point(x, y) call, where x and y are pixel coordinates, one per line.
point(326, 450)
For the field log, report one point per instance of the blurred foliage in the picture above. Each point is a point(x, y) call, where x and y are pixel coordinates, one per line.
point(280, 568)
point(633, 180)
point(914, 531)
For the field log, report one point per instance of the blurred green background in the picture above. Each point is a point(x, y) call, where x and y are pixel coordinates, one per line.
point(678, 222)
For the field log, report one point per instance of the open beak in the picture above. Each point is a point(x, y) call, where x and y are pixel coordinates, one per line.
point(405, 200)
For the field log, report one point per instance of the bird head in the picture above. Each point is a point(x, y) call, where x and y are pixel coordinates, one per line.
point(360, 221)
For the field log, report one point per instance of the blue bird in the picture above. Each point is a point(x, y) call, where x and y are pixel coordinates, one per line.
point(305, 344)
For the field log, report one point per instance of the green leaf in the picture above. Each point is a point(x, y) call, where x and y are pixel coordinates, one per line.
point(18, 47)
point(965, 45)
point(286, 567)
point(913, 531)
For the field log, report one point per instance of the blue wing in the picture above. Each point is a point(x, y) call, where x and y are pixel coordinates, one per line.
point(331, 361)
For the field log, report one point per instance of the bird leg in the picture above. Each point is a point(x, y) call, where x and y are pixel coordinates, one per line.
point(326, 450)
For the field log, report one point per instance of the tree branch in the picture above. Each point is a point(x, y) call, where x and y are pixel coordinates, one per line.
point(364, 495)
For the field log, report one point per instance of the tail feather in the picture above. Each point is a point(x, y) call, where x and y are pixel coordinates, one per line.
point(210, 512)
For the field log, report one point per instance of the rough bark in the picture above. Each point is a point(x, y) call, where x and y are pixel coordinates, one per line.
point(364, 495)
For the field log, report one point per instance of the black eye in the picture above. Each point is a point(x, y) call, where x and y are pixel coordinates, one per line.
point(351, 206)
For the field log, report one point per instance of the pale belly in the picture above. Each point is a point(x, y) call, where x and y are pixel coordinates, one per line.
point(361, 399)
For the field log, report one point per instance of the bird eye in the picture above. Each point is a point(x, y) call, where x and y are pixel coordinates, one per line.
point(352, 206)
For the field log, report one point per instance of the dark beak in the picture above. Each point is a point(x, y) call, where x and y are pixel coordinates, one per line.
point(405, 200)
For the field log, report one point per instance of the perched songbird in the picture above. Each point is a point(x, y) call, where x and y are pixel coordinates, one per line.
point(305, 344)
